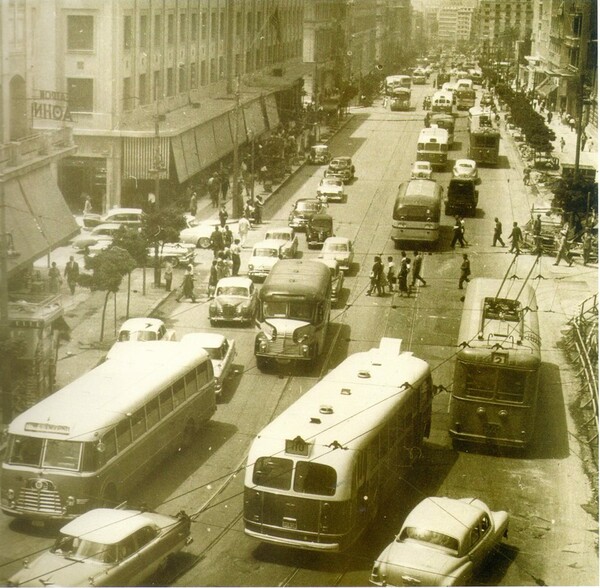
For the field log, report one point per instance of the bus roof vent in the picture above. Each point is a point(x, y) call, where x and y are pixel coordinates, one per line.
point(364, 374)
point(346, 391)
point(315, 420)
point(326, 409)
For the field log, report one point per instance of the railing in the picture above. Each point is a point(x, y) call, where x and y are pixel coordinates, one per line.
point(18, 152)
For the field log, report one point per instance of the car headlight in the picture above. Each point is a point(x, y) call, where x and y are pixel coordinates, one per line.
point(250, 266)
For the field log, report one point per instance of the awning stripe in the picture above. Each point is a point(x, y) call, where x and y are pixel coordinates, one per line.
point(139, 157)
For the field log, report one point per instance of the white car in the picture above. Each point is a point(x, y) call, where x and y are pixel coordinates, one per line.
point(103, 234)
point(331, 189)
point(145, 329)
point(421, 170)
point(221, 352)
point(199, 234)
point(465, 169)
point(441, 543)
point(127, 217)
point(235, 300)
point(179, 254)
point(265, 255)
point(340, 249)
point(287, 234)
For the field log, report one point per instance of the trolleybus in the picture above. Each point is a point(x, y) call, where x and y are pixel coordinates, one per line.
point(433, 146)
point(417, 210)
point(317, 474)
point(294, 305)
point(496, 375)
point(465, 98)
point(93, 441)
point(442, 101)
point(484, 136)
point(443, 121)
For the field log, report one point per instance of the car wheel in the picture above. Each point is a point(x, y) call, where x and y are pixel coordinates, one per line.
point(262, 363)
point(204, 243)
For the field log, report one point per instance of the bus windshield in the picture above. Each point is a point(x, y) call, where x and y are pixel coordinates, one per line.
point(49, 453)
point(293, 310)
point(415, 212)
point(494, 383)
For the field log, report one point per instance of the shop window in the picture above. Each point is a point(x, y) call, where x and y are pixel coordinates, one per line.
point(80, 32)
point(194, 27)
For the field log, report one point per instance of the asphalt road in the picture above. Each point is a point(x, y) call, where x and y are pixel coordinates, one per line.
point(552, 540)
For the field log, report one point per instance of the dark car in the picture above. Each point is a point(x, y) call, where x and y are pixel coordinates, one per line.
point(303, 211)
point(461, 197)
point(342, 168)
point(319, 228)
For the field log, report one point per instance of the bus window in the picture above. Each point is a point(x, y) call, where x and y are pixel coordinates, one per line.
point(26, 451)
point(273, 472)
point(315, 478)
point(109, 445)
point(123, 435)
point(62, 454)
point(191, 386)
point(152, 413)
point(202, 374)
point(480, 381)
point(166, 402)
point(138, 423)
point(178, 393)
point(511, 386)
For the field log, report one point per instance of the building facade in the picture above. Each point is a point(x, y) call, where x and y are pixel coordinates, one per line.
point(454, 25)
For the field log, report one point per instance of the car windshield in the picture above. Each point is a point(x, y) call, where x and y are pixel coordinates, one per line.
point(138, 336)
point(82, 549)
point(320, 224)
point(431, 537)
point(340, 163)
point(422, 166)
point(293, 310)
point(232, 291)
point(280, 236)
point(337, 247)
point(265, 252)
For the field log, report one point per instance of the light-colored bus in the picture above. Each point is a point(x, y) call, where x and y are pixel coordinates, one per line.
point(93, 441)
point(417, 210)
point(496, 376)
point(317, 474)
point(433, 146)
point(443, 121)
point(397, 81)
point(442, 101)
point(294, 305)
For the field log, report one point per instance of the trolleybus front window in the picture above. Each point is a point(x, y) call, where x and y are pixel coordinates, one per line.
point(315, 478)
point(273, 472)
point(26, 451)
point(511, 386)
point(480, 381)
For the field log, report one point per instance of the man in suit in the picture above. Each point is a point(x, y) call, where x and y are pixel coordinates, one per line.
point(72, 273)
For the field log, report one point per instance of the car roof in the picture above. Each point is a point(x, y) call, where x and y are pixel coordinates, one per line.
point(342, 158)
point(114, 226)
point(337, 240)
point(470, 162)
point(107, 525)
point(235, 281)
point(280, 230)
point(206, 340)
point(269, 243)
point(123, 210)
point(141, 324)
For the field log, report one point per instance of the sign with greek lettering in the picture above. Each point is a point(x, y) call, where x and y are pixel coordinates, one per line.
point(51, 105)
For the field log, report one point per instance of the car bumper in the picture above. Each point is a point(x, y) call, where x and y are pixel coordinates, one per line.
point(298, 223)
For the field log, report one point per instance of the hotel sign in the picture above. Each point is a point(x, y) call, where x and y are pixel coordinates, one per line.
point(51, 105)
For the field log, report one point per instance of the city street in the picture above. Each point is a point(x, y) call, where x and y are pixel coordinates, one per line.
point(552, 539)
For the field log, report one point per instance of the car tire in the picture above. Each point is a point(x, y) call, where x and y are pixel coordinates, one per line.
point(203, 243)
point(262, 363)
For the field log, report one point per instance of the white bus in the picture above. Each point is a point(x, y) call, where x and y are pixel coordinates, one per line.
point(317, 474)
point(433, 146)
point(92, 442)
point(442, 101)
point(397, 81)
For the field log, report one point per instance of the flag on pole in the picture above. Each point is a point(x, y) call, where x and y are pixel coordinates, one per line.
point(276, 23)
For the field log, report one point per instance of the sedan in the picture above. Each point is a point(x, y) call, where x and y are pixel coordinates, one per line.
point(178, 254)
point(102, 233)
point(221, 352)
point(339, 249)
point(421, 170)
point(235, 301)
point(337, 278)
point(441, 543)
point(198, 234)
point(145, 329)
point(287, 234)
point(108, 547)
point(303, 210)
point(331, 189)
point(465, 169)
point(342, 168)
point(265, 255)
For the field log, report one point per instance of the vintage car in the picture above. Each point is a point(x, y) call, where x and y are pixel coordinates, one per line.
point(340, 249)
point(235, 300)
point(108, 547)
point(461, 197)
point(465, 169)
point(319, 228)
point(303, 210)
point(287, 234)
point(421, 170)
point(127, 217)
point(199, 233)
point(319, 154)
point(441, 543)
point(178, 254)
point(221, 352)
point(337, 278)
point(331, 189)
point(342, 168)
point(144, 329)
point(264, 256)
point(103, 234)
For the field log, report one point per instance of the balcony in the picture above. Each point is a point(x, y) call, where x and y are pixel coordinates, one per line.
point(572, 41)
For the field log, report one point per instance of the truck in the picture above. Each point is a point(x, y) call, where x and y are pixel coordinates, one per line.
point(461, 197)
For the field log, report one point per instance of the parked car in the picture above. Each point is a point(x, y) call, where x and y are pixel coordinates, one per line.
point(337, 278)
point(235, 301)
point(145, 329)
point(264, 256)
point(287, 234)
point(104, 232)
point(303, 210)
point(179, 254)
point(466, 169)
point(331, 189)
point(441, 543)
point(421, 170)
point(461, 197)
point(221, 352)
point(199, 233)
point(108, 547)
point(319, 228)
point(319, 154)
point(127, 217)
point(340, 249)
point(341, 167)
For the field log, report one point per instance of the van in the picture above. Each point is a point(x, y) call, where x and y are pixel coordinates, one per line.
point(462, 197)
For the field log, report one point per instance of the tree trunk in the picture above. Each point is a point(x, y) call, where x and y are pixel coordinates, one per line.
point(156, 267)
point(128, 294)
point(114, 314)
point(103, 315)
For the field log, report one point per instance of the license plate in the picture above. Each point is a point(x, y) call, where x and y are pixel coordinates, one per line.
point(289, 524)
point(37, 523)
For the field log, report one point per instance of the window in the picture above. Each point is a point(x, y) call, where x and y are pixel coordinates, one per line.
point(182, 79)
point(193, 75)
point(194, 27)
point(156, 85)
point(143, 89)
point(62, 454)
point(203, 25)
point(138, 423)
point(182, 28)
point(203, 80)
point(143, 31)
point(127, 105)
point(213, 25)
point(80, 33)
point(81, 94)
point(213, 70)
point(178, 393)
point(108, 446)
point(126, 32)
point(166, 403)
point(170, 82)
point(170, 29)
point(273, 472)
point(152, 416)
point(157, 30)
point(191, 386)
point(123, 435)
point(315, 478)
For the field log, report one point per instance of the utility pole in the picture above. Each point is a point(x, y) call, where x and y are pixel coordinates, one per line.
point(5, 379)
point(237, 204)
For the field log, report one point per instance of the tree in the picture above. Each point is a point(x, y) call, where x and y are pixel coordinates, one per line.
point(579, 197)
point(136, 245)
point(108, 269)
point(160, 227)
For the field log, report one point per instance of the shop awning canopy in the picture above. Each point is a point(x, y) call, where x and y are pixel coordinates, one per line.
point(546, 88)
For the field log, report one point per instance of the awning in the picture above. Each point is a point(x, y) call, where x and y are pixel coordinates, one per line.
point(272, 112)
point(223, 134)
point(546, 88)
point(139, 157)
point(254, 118)
point(205, 145)
point(37, 217)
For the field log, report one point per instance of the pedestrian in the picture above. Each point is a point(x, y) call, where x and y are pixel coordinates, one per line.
point(391, 273)
point(516, 238)
point(243, 228)
point(193, 204)
point(223, 215)
point(497, 233)
point(216, 241)
point(572, 124)
point(214, 188)
point(227, 262)
point(461, 220)
point(584, 139)
point(72, 273)
point(168, 276)
point(590, 144)
point(375, 277)
point(465, 271)
point(457, 233)
point(537, 225)
point(564, 247)
point(527, 176)
point(54, 278)
point(187, 285)
point(236, 260)
point(403, 273)
point(258, 206)
point(586, 246)
point(417, 266)
point(87, 206)
point(562, 144)
point(224, 184)
point(549, 117)
point(212, 279)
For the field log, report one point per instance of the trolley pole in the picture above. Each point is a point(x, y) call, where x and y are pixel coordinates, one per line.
point(237, 202)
